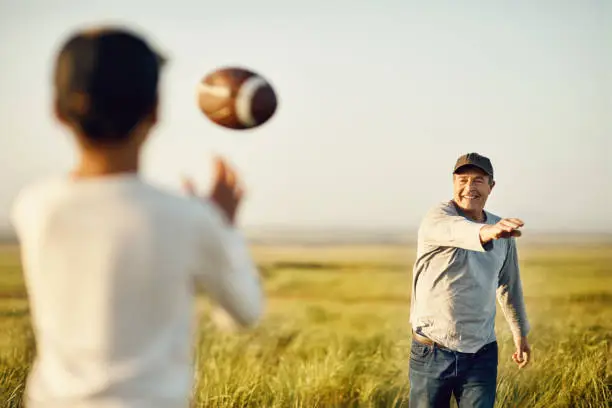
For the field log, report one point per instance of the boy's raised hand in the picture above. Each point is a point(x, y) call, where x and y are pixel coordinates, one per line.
point(226, 191)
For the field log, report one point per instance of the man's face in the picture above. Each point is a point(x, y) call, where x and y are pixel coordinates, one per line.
point(471, 188)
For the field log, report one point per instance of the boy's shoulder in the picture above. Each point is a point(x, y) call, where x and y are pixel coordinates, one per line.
point(34, 191)
point(48, 197)
point(28, 200)
point(34, 197)
point(37, 186)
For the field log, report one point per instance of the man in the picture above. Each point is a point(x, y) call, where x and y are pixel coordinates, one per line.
point(110, 261)
point(466, 256)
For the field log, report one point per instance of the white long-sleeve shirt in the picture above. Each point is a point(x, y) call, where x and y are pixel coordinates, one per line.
point(456, 280)
point(111, 266)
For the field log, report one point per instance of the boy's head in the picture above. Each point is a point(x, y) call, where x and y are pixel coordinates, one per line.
point(106, 86)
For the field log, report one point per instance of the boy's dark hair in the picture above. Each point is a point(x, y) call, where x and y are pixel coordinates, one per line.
point(106, 82)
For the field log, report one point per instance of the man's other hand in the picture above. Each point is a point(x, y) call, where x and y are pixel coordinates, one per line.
point(522, 355)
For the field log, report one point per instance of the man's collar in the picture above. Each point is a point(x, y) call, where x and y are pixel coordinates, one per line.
point(460, 212)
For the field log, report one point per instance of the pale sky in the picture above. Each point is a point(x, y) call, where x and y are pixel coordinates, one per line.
point(377, 100)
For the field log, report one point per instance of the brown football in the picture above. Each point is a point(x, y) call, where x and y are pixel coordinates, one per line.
point(236, 98)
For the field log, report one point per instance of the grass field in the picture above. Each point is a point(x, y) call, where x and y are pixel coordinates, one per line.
point(336, 332)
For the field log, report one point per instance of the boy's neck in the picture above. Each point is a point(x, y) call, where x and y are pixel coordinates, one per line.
point(106, 162)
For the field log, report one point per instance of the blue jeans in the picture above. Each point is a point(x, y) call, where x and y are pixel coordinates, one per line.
point(437, 373)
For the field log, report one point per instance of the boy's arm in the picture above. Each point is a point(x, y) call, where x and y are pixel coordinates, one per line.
point(443, 226)
point(227, 273)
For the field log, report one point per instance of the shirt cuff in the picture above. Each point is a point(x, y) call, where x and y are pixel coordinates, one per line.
point(471, 236)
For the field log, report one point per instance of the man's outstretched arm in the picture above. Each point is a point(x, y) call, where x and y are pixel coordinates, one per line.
point(443, 226)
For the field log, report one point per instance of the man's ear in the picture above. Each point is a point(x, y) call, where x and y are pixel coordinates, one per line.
point(492, 184)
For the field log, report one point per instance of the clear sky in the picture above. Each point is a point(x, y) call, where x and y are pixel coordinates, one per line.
point(377, 100)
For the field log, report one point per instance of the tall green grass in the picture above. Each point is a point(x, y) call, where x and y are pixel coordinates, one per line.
point(336, 333)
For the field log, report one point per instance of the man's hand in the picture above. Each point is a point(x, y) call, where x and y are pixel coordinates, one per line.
point(506, 228)
point(522, 355)
point(226, 192)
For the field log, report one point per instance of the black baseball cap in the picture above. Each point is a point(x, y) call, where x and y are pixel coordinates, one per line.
point(476, 160)
point(109, 73)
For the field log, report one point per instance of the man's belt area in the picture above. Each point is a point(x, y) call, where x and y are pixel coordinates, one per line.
point(423, 340)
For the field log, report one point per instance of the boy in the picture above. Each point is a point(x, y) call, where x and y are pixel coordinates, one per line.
point(110, 261)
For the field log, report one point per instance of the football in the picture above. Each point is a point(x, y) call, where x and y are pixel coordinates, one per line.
point(236, 98)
